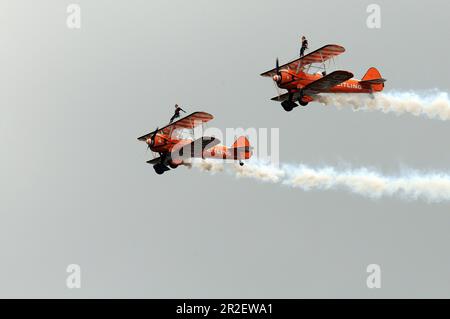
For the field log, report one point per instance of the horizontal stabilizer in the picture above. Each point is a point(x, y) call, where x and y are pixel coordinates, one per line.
point(242, 149)
point(373, 81)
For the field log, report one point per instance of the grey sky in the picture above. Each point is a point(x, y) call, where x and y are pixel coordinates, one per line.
point(75, 187)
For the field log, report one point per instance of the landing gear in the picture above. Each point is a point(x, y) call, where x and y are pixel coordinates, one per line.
point(160, 168)
point(241, 163)
point(301, 101)
point(173, 165)
point(289, 105)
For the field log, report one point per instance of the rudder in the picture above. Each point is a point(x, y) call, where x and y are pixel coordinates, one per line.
point(241, 148)
point(241, 141)
point(373, 79)
point(371, 74)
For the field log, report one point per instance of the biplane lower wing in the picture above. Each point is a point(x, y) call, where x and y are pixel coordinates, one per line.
point(154, 161)
point(327, 82)
point(285, 96)
point(188, 122)
point(195, 148)
point(295, 96)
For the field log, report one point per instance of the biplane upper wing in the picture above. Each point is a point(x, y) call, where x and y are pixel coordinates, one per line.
point(195, 148)
point(318, 56)
point(327, 82)
point(188, 122)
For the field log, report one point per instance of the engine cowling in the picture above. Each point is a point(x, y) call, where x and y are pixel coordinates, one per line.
point(282, 78)
point(154, 141)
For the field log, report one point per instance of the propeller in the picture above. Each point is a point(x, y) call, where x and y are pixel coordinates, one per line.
point(152, 138)
point(277, 66)
point(277, 77)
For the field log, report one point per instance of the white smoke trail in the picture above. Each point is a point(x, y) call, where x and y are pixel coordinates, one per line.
point(432, 104)
point(210, 166)
point(431, 187)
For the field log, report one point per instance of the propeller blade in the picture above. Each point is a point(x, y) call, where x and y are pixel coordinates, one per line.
point(277, 68)
point(152, 137)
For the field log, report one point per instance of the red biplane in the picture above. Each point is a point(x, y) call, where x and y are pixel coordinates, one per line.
point(304, 86)
point(175, 144)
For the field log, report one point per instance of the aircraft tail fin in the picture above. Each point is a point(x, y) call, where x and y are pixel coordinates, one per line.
point(373, 79)
point(241, 141)
point(242, 148)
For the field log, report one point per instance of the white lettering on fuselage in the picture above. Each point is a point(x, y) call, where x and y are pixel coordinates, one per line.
point(350, 85)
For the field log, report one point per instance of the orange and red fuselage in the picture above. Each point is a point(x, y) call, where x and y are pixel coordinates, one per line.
point(291, 81)
point(164, 144)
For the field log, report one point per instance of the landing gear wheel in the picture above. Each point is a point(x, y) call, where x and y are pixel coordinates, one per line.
point(241, 163)
point(303, 103)
point(159, 169)
point(300, 100)
point(287, 106)
point(173, 166)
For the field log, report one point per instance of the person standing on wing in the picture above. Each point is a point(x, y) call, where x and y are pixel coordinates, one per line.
point(304, 46)
point(177, 113)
